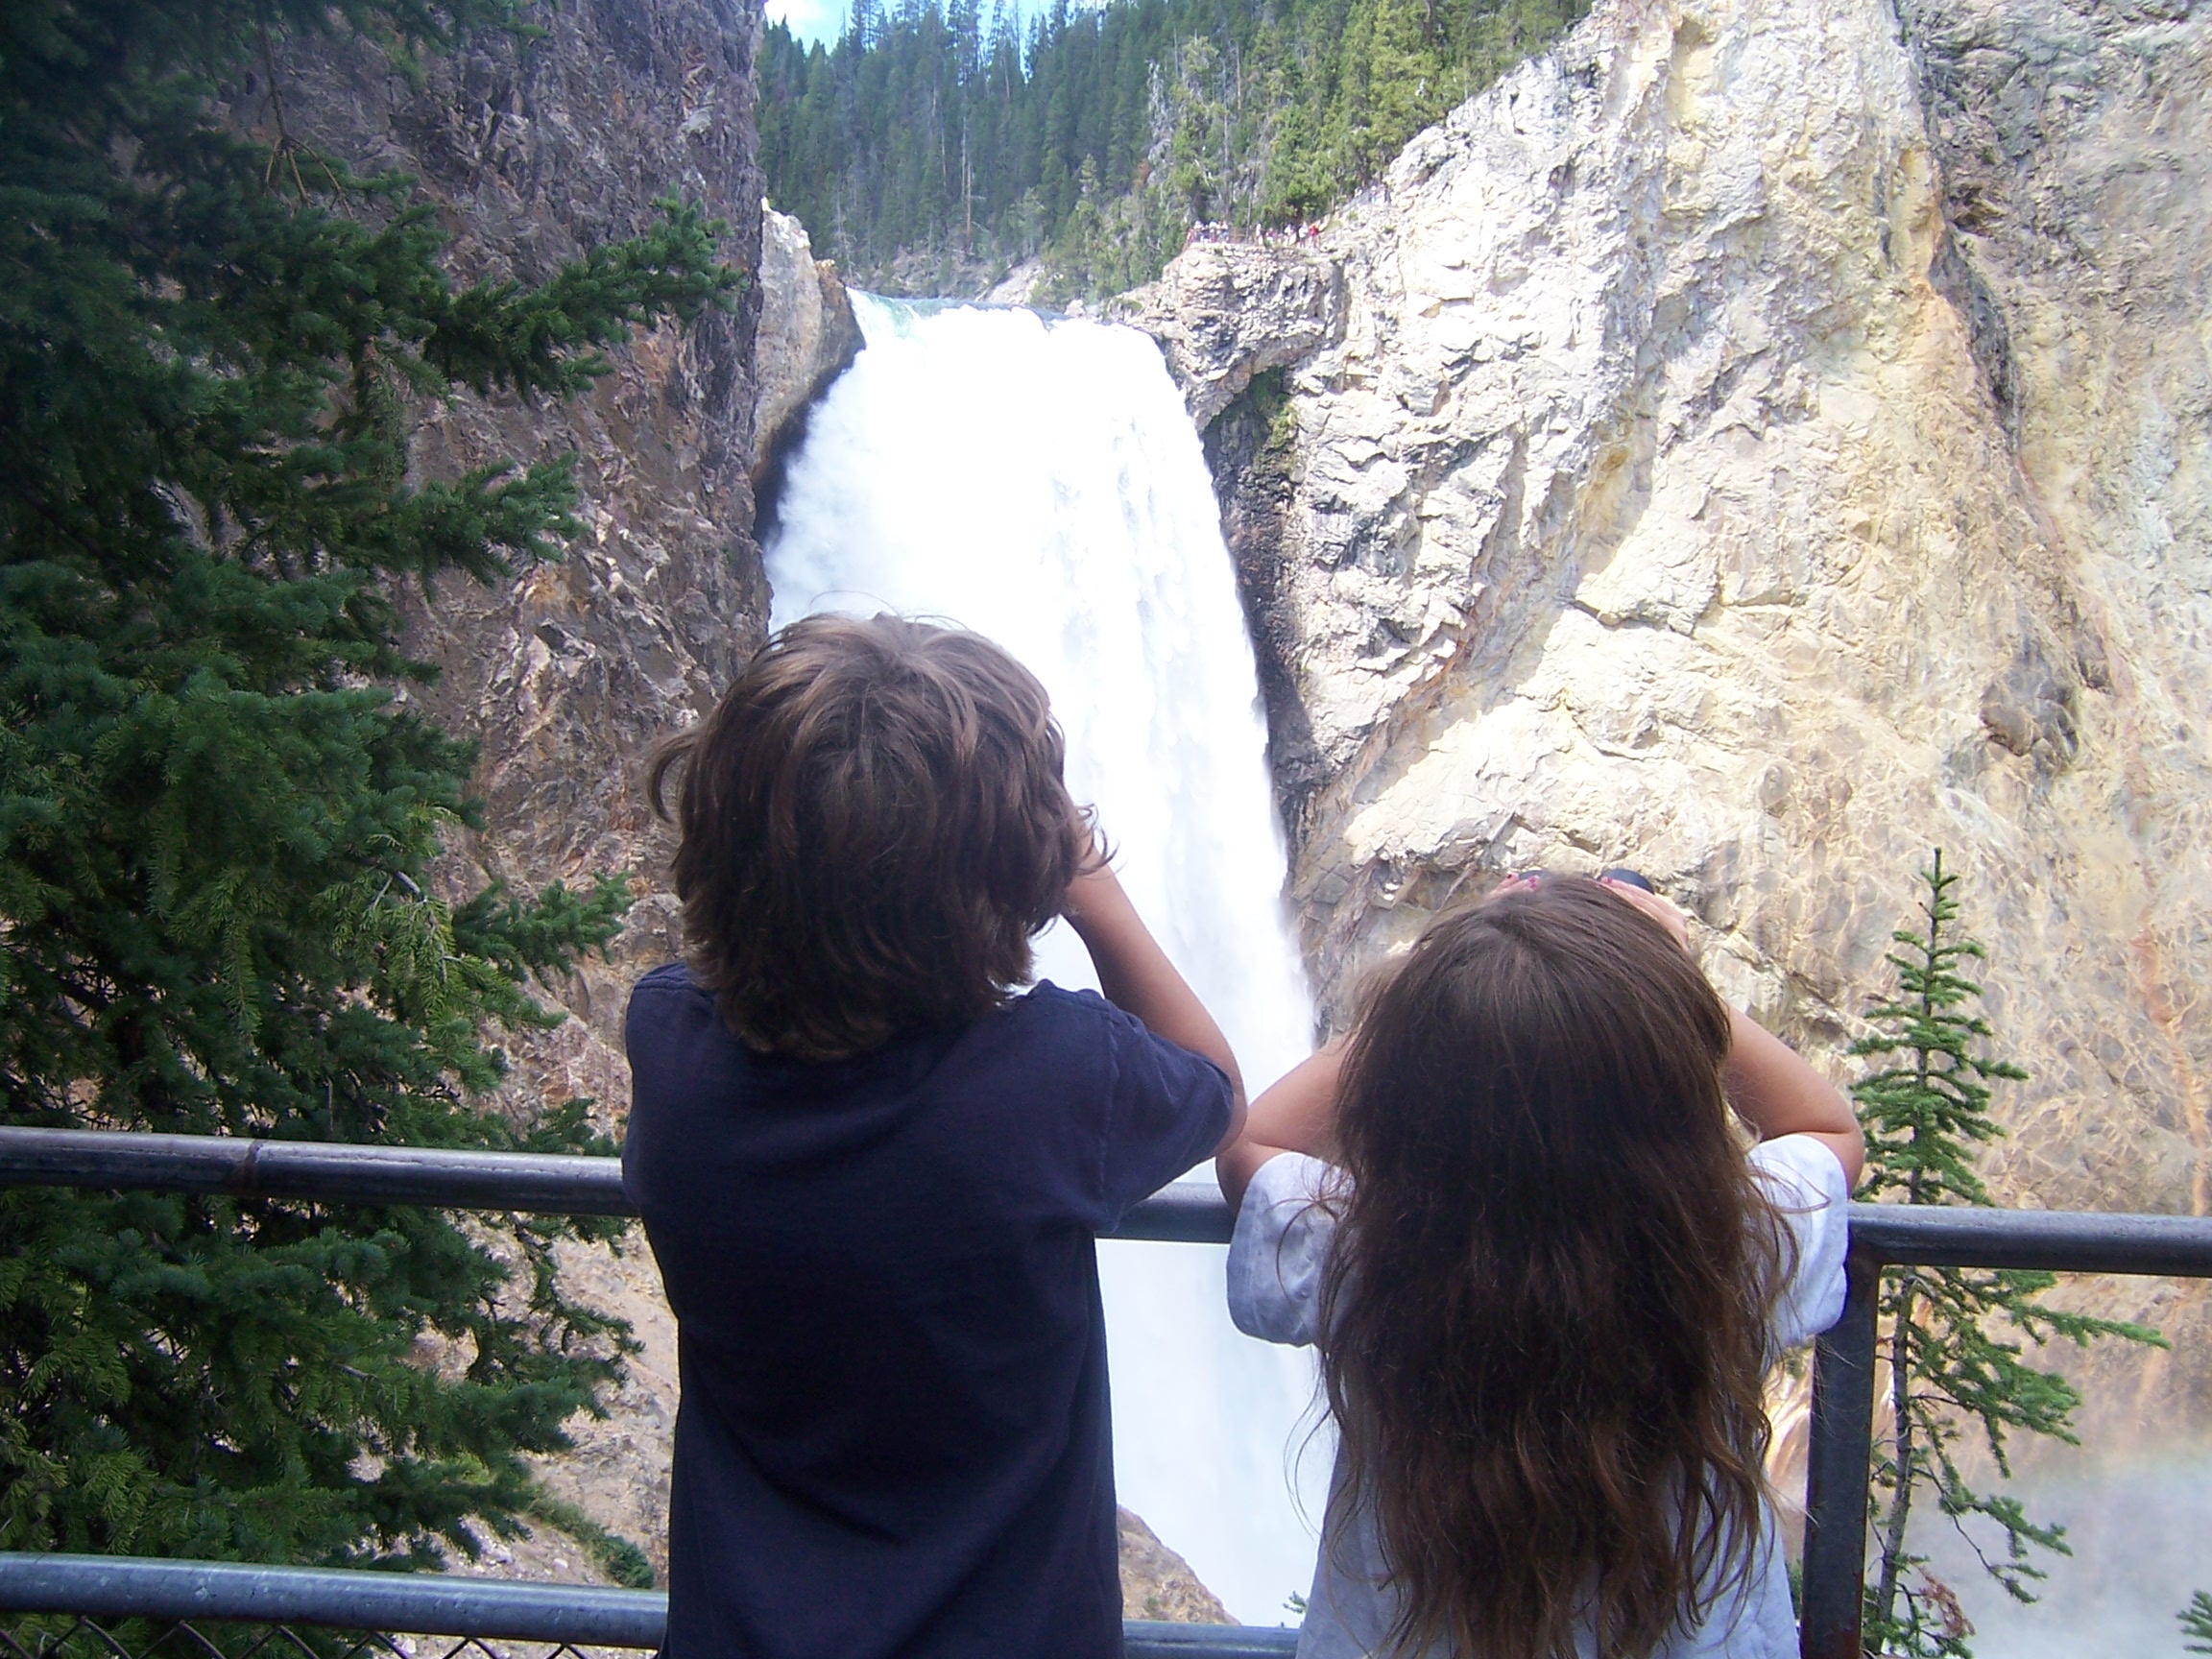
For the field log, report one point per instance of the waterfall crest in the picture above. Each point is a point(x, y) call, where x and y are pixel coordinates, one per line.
point(1042, 483)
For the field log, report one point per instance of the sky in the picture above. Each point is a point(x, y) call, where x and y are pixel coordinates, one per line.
point(824, 20)
point(810, 19)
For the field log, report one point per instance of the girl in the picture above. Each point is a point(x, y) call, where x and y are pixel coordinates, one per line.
point(1546, 1283)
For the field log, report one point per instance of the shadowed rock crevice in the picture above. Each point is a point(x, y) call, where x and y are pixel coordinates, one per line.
point(1248, 451)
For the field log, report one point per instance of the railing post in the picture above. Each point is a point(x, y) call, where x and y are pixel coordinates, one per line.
point(1838, 1458)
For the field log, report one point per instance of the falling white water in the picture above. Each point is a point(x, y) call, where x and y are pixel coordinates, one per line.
point(1041, 483)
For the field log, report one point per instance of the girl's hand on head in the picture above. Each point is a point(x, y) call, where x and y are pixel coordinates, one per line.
point(1677, 925)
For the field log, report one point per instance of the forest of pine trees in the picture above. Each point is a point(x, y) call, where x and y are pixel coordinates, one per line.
point(933, 146)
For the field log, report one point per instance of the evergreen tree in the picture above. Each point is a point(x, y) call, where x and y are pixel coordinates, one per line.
point(217, 823)
point(1952, 1370)
point(909, 137)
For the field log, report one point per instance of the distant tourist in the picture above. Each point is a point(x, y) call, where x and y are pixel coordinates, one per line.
point(872, 1174)
point(1545, 1284)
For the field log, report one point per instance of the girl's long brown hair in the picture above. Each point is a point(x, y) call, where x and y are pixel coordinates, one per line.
point(1544, 1316)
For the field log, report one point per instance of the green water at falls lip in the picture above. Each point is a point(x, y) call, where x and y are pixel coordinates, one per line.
point(1041, 482)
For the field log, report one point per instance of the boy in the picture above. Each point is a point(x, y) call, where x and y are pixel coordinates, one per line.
point(871, 1175)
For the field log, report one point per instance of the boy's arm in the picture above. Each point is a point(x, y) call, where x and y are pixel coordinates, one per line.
point(1296, 1114)
point(1136, 976)
point(1768, 1082)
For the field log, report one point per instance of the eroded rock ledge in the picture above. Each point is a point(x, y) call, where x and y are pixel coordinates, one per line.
point(1225, 312)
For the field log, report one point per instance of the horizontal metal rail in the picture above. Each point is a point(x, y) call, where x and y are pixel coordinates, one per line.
point(1840, 1441)
point(114, 1587)
point(2054, 1240)
point(1185, 1213)
point(1882, 1235)
point(420, 1604)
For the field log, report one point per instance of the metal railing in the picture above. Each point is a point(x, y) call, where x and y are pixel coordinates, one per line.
point(173, 1594)
point(117, 1607)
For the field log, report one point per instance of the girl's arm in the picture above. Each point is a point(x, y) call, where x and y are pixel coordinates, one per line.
point(1296, 1114)
point(1777, 1093)
point(1768, 1082)
point(1136, 976)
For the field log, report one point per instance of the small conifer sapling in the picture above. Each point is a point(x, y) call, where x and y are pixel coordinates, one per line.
point(1951, 1337)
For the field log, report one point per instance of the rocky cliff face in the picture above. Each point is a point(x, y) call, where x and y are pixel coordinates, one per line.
point(1760, 441)
point(535, 150)
point(807, 336)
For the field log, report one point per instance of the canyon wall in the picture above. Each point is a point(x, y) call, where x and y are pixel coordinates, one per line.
point(533, 150)
point(807, 336)
point(1759, 442)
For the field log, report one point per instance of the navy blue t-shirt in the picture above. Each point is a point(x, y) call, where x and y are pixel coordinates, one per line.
point(894, 1438)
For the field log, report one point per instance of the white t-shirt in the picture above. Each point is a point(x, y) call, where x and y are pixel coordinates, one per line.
point(1275, 1266)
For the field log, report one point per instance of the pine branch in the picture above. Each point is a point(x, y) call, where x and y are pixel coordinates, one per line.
point(2196, 1623)
point(499, 336)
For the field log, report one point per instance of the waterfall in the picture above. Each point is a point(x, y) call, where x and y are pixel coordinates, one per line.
point(1042, 483)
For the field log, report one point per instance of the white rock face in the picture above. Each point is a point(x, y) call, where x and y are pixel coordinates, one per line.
point(808, 333)
point(1762, 440)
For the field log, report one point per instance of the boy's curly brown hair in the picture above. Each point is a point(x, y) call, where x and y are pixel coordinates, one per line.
point(874, 826)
